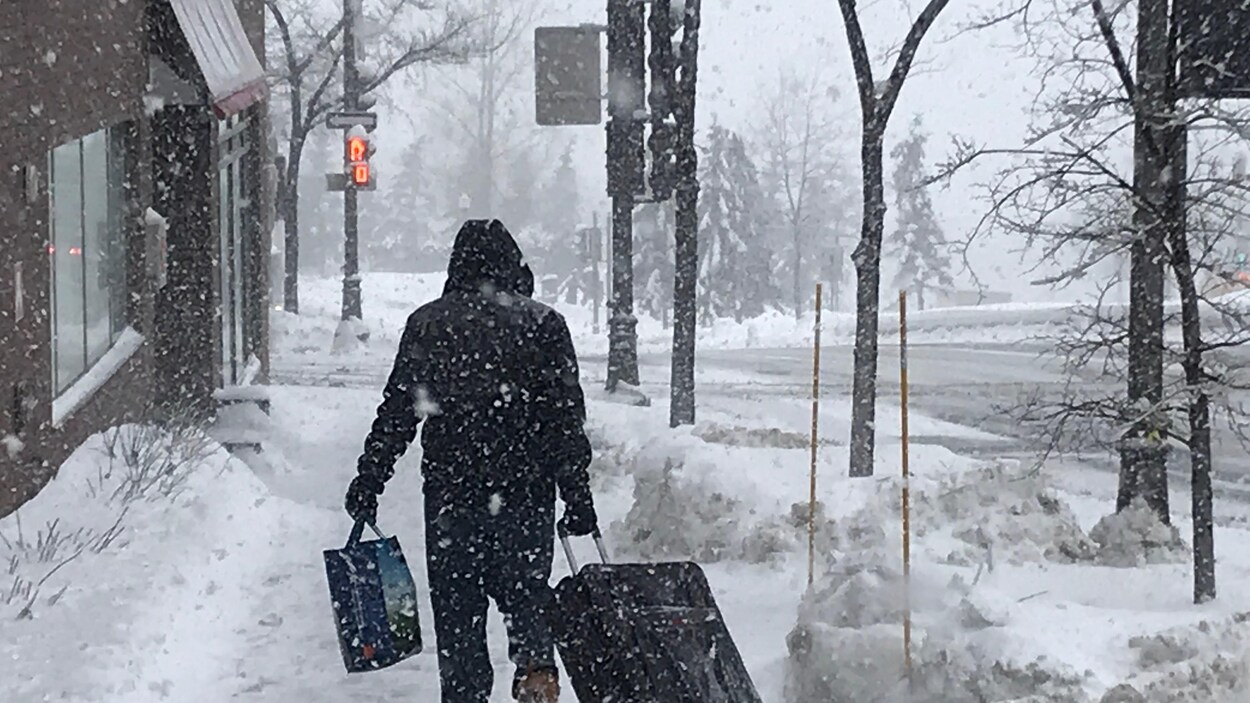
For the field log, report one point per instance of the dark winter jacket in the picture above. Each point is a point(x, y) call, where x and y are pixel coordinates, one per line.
point(494, 376)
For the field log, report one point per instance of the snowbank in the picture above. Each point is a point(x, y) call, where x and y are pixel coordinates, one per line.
point(1209, 662)
point(724, 491)
point(135, 556)
point(1010, 572)
point(1136, 537)
point(848, 643)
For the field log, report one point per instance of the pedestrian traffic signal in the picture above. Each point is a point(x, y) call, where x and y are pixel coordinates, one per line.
point(359, 150)
point(356, 149)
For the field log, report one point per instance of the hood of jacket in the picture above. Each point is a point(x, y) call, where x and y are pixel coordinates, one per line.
point(486, 258)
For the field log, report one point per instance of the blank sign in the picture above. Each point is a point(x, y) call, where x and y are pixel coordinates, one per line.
point(568, 79)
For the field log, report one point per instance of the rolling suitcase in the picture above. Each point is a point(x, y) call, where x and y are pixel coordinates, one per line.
point(645, 633)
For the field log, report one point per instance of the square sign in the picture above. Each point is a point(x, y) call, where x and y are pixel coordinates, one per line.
point(1214, 49)
point(568, 78)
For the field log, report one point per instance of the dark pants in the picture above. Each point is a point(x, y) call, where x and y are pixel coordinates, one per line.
point(504, 553)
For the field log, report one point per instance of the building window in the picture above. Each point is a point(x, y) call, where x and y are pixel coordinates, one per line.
point(234, 222)
point(87, 252)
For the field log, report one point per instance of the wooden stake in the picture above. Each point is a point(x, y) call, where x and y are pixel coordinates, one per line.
point(902, 371)
point(811, 513)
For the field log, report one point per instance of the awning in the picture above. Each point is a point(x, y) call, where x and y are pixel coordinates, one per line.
point(233, 73)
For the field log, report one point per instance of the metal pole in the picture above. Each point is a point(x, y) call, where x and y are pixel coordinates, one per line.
point(626, 68)
point(902, 371)
point(596, 285)
point(351, 235)
point(686, 250)
point(622, 325)
point(811, 513)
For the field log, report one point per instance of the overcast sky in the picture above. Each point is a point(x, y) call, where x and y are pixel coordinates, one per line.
point(965, 84)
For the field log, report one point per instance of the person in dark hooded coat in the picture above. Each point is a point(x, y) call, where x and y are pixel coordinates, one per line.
point(494, 377)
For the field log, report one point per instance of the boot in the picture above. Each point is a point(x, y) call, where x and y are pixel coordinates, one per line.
point(538, 686)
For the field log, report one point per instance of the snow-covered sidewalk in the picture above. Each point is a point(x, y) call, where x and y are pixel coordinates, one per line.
point(209, 585)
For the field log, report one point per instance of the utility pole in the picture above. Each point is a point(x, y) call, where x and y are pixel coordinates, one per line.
point(686, 253)
point(351, 234)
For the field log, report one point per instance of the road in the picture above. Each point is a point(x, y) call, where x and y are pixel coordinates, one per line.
point(980, 386)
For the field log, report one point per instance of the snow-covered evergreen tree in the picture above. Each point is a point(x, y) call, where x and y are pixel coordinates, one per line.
point(518, 205)
point(560, 209)
point(653, 259)
point(729, 284)
point(402, 229)
point(917, 242)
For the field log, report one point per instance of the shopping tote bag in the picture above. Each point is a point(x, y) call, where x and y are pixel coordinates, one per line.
point(374, 600)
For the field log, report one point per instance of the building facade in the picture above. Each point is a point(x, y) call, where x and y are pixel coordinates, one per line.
point(134, 218)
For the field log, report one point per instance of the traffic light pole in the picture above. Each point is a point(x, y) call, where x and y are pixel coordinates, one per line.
point(626, 40)
point(622, 326)
point(686, 252)
point(351, 235)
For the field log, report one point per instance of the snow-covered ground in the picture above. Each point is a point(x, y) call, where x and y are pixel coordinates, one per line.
point(208, 584)
point(163, 569)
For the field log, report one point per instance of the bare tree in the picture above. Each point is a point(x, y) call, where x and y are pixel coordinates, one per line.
point(796, 137)
point(876, 101)
point(483, 104)
point(1065, 193)
point(308, 45)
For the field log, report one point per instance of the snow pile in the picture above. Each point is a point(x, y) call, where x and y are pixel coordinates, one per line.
point(1001, 512)
point(848, 643)
point(682, 515)
point(145, 546)
point(88, 512)
point(1136, 536)
point(738, 436)
point(709, 502)
point(1205, 663)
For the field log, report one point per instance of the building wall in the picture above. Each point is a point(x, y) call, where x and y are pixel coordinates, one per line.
point(187, 314)
point(68, 69)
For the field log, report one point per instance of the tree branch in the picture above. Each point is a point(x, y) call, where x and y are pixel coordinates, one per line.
point(1113, 47)
point(860, 59)
point(907, 55)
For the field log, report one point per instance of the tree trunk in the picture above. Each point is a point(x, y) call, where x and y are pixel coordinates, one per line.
point(1201, 464)
point(290, 227)
point(798, 271)
point(1143, 453)
point(919, 298)
point(867, 258)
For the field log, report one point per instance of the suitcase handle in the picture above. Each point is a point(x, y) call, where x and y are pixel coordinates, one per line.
point(568, 548)
point(358, 531)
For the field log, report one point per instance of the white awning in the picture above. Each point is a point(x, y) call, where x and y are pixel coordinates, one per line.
point(233, 73)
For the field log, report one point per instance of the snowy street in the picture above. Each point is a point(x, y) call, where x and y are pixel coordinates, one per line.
point(966, 385)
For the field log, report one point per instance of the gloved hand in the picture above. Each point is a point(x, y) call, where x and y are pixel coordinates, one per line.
point(579, 515)
point(362, 498)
